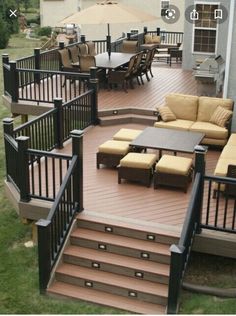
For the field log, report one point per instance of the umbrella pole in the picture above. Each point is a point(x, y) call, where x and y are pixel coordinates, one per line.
point(108, 41)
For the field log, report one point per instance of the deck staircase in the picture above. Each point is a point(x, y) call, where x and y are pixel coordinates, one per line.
point(116, 263)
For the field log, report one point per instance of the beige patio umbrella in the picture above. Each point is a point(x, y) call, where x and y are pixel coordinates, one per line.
point(106, 12)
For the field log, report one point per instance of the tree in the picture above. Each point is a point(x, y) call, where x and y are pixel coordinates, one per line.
point(4, 34)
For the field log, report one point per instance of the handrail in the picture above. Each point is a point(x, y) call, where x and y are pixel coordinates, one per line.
point(53, 230)
point(180, 252)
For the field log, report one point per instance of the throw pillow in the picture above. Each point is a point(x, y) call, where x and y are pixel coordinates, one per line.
point(156, 39)
point(148, 39)
point(166, 114)
point(220, 116)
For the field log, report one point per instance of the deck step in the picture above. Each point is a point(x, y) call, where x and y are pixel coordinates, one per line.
point(123, 265)
point(127, 118)
point(129, 227)
point(112, 283)
point(121, 245)
point(102, 298)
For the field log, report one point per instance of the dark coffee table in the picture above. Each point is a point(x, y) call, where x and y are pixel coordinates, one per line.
point(168, 139)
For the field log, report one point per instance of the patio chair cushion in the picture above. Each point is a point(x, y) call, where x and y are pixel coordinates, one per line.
point(127, 134)
point(207, 106)
point(114, 147)
point(177, 124)
point(166, 114)
point(148, 39)
point(232, 140)
point(174, 165)
point(156, 39)
point(220, 116)
point(210, 130)
point(183, 106)
point(138, 160)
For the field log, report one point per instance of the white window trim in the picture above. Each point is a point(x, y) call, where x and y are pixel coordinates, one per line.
point(200, 28)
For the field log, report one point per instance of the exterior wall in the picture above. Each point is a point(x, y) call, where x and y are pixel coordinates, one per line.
point(53, 11)
point(188, 56)
point(232, 74)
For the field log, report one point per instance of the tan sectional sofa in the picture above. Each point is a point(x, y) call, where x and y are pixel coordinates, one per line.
point(227, 157)
point(194, 113)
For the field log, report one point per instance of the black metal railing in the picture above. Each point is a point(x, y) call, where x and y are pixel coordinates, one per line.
point(41, 131)
point(46, 173)
point(172, 38)
point(53, 231)
point(48, 60)
point(26, 62)
point(50, 85)
point(180, 253)
point(219, 205)
point(77, 114)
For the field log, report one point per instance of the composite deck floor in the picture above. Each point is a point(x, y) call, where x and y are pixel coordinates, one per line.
point(102, 193)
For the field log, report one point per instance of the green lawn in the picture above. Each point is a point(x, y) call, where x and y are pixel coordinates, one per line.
point(18, 265)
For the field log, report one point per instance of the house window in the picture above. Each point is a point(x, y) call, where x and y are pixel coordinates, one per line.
point(205, 29)
point(164, 6)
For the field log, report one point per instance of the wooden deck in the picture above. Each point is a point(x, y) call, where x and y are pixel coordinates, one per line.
point(104, 195)
point(166, 80)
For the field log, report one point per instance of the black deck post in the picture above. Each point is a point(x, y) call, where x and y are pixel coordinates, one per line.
point(83, 39)
point(44, 253)
point(14, 81)
point(58, 123)
point(5, 59)
point(77, 149)
point(200, 165)
point(145, 29)
point(24, 185)
point(8, 128)
point(61, 45)
point(37, 64)
point(93, 84)
point(158, 31)
point(129, 36)
point(175, 278)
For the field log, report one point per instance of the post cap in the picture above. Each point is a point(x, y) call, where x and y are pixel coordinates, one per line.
point(8, 120)
point(77, 132)
point(22, 138)
point(200, 149)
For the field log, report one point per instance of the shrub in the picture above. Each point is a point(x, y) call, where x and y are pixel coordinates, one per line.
point(44, 31)
point(35, 20)
point(4, 34)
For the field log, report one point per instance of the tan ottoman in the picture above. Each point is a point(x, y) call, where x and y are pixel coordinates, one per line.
point(137, 167)
point(127, 134)
point(111, 152)
point(173, 171)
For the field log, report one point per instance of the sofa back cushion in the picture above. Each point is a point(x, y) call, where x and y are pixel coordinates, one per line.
point(184, 106)
point(208, 105)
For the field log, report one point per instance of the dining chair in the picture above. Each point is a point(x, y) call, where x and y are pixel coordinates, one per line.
point(147, 64)
point(91, 48)
point(138, 67)
point(74, 53)
point(129, 46)
point(121, 76)
point(65, 64)
point(83, 49)
point(87, 61)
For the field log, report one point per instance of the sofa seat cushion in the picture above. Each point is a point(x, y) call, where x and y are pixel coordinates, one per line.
point(138, 160)
point(174, 165)
point(232, 140)
point(228, 152)
point(208, 105)
point(222, 166)
point(214, 141)
point(177, 124)
point(127, 134)
point(210, 130)
point(114, 147)
point(184, 107)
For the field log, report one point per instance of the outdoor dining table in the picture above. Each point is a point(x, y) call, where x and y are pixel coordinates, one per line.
point(116, 60)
